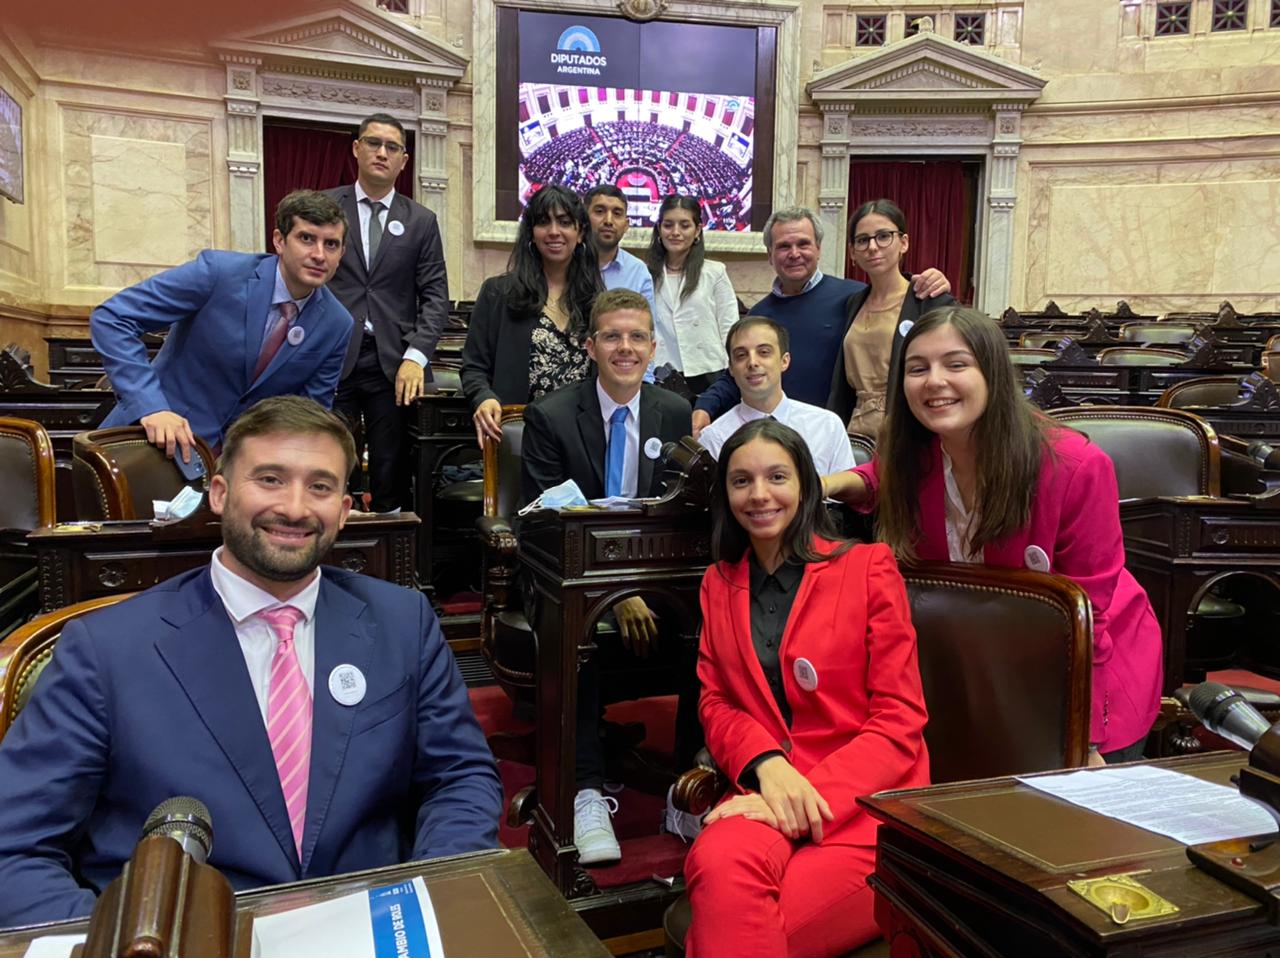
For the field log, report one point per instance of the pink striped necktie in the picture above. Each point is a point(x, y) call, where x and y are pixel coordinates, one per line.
point(275, 338)
point(289, 718)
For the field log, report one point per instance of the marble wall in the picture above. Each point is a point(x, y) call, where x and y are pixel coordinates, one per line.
point(1149, 167)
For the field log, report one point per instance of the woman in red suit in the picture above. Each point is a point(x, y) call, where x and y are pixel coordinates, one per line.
point(811, 697)
point(967, 470)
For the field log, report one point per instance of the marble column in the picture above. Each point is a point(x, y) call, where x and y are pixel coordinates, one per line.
point(833, 192)
point(433, 138)
point(996, 277)
point(244, 153)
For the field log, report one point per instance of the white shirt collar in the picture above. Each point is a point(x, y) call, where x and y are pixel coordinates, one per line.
point(281, 293)
point(361, 196)
point(607, 405)
point(750, 413)
point(243, 600)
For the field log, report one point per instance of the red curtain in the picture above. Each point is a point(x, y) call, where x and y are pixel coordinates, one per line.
point(938, 201)
point(311, 158)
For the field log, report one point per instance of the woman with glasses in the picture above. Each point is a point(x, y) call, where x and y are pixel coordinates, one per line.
point(528, 329)
point(876, 318)
point(694, 299)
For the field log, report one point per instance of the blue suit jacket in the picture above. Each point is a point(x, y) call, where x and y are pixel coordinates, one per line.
point(151, 698)
point(215, 308)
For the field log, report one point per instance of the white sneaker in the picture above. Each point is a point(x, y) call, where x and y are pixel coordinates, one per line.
point(592, 830)
point(676, 822)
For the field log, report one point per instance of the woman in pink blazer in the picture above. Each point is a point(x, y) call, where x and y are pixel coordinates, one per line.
point(811, 697)
point(968, 470)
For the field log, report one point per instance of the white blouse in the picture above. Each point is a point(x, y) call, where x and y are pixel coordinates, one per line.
point(691, 334)
point(960, 521)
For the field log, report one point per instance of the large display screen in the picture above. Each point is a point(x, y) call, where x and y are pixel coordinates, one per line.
point(654, 108)
point(10, 147)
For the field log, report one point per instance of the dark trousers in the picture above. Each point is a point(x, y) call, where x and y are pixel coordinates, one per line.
point(366, 394)
point(674, 653)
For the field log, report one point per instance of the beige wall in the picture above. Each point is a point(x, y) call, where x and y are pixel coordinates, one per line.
point(1149, 169)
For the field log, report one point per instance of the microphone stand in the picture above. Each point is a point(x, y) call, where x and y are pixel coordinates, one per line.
point(165, 904)
point(1251, 865)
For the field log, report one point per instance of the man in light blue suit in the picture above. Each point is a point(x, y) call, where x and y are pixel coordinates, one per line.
point(174, 692)
point(241, 327)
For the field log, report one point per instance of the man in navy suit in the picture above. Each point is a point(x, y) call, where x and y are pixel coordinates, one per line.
point(340, 740)
point(242, 327)
point(392, 278)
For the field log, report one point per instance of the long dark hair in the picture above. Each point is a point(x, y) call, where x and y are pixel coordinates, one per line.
point(729, 541)
point(527, 289)
point(656, 256)
point(1009, 442)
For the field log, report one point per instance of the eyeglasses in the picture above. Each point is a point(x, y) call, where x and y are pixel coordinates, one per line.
point(375, 144)
point(637, 338)
point(882, 237)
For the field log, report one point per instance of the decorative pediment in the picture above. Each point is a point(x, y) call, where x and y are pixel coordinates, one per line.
point(925, 69)
point(348, 38)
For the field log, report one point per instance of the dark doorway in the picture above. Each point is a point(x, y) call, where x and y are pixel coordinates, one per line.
point(297, 155)
point(940, 201)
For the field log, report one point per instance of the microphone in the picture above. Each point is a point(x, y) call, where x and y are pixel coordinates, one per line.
point(1225, 712)
point(187, 822)
point(1265, 454)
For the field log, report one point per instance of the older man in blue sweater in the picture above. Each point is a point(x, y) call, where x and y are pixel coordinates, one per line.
point(812, 308)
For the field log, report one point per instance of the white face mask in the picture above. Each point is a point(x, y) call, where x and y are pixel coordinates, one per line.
point(557, 497)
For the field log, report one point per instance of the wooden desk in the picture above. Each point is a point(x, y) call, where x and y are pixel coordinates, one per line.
point(1177, 547)
point(580, 565)
point(133, 555)
point(981, 869)
point(495, 904)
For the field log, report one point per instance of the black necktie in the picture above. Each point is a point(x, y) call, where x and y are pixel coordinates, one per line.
point(375, 228)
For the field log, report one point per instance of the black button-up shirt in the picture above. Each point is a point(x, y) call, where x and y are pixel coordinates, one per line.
point(772, 596)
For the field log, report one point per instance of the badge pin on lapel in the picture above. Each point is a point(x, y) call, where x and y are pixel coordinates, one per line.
point(653, 447)
point(347, 685)
point(806, 675)
point(296, 335)
point(904, 327)
point(395, 228)
point(1036, 559)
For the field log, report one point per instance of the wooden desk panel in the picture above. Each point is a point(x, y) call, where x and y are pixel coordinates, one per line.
point(133, 555)
point(495, 904)
point(962, 872)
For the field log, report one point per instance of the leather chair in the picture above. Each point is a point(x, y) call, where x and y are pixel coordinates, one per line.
point(1203, 391)
point(117, 473)
point(1157, 452)
point(1140, 356)
point(27, 502)
point(506, 638)
point(1041, 339)
point(864, 448)
point(1026, 356)
point(28, 649)
point(1005, 665)
point(1271, 364)
point(1159, 332)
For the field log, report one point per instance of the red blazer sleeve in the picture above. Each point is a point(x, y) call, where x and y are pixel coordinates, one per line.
point(735, 735)
point(870, 473)
point(888, 750)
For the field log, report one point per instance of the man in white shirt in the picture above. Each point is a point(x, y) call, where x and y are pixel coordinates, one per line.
point(759, 354)
point(317, 713)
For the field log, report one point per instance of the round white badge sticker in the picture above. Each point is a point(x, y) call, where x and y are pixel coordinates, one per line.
point(806, 675)
point(347, 685)
point(296, 335)
point(653, 447)
point(1036, 559)
point(395, 228)
point(904, 327)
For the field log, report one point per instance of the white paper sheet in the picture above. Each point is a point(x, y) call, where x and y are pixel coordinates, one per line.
point(1187, 809)
point(53, 946)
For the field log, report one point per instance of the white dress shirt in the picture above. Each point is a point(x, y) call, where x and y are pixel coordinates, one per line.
point(366, 213)
point(821, 429)
point(243, 601)
point(631, 455)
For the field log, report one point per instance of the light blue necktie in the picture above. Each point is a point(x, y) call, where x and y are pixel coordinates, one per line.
point(617, 449)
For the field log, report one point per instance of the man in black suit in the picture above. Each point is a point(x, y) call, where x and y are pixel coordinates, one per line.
point(606, 434)
point(392, 280)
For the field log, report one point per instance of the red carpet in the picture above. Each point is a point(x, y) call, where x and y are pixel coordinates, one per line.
point(645, 852)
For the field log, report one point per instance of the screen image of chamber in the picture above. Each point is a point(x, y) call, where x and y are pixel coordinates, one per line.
point(649, 109)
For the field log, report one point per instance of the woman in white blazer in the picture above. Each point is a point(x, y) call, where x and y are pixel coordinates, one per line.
point(694, 299)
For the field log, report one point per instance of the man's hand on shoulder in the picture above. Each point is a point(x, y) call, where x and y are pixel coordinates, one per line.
point(410, 382)
point(169, 431)
point(701, 420)
point(930, 283)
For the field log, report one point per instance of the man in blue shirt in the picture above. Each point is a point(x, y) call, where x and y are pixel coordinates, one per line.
point(607, 210)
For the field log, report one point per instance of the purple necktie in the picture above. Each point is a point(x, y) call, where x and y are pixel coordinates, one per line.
point(275, 339)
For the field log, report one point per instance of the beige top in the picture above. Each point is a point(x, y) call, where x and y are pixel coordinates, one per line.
point(868, 347)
